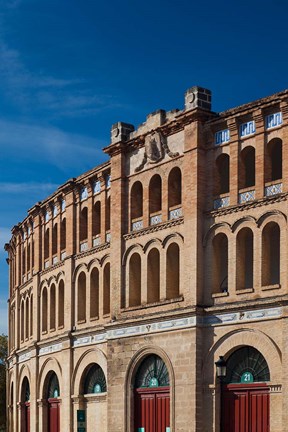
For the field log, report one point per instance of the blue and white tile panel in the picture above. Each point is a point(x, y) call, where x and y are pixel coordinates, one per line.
point(180, 323)
point(175, 213)
point(247, 129)
point(108, 181)
point(221, 202)
point(108, 237)
point(83, 246)
point(97, 187)
point(273, 120)
point(154, 220)
point(24, 357)
point(274, 189)
point(137, 225)
point(63, 205)
point(222, 137)
point(97, 241)
point(55, 211)
point(84, 194)
point(246, 196)
point(50, 349)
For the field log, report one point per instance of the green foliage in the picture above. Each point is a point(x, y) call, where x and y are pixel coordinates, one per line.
point(3, 356)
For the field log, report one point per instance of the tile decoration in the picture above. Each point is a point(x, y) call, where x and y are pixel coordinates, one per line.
point(222, 137)
point(246, 196)
point(273, 120)
point(273, 189)
point(247, 129)
point(175, 213)
point(221, 202)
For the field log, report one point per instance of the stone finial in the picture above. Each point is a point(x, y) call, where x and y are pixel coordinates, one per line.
point(120, 132)
point(198, 97)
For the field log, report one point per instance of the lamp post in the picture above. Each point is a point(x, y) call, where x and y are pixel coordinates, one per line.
point(221, 369)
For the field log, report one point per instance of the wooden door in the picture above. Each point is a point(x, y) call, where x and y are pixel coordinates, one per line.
point(152, 410)
point(245, 408)
point(54, 415)
point(27, 416)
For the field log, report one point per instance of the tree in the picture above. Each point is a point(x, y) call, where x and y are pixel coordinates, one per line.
point(3, 356)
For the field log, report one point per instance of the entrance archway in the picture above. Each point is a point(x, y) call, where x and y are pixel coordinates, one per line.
point(245, 394)
point(25, 406)
point(53, 393)
point(152, 396)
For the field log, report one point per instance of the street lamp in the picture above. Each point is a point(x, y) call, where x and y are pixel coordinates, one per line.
point(221, 369)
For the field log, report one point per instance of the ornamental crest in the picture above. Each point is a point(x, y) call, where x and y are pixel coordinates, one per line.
point(155, 150)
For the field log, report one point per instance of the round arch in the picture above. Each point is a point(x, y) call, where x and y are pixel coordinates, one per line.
point(94, 355)
point(230, 342)
point(132, 370)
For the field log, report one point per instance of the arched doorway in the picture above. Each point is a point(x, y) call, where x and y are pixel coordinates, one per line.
point(245, 393)
point(94, 393)
point(25, 406)
point(53, 393)
point(152, 396)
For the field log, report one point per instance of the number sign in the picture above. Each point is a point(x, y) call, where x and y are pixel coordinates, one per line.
point(247, 378)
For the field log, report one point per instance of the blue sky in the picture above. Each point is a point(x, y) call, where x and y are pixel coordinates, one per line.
point(69, 69)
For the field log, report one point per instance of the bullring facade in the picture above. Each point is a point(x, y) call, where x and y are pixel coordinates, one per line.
point(130, 281)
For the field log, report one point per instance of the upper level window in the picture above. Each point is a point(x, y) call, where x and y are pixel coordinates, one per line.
point(247, 129)
point(273, 160)
point(222, 137)
point(84, 193)
point(273, 120)
point(97, 187)
point(222, 177)
point(63, 205)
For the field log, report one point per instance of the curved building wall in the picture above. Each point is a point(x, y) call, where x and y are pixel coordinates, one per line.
point(175, 251)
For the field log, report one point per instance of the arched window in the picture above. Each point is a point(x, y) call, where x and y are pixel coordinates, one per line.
point(108, 216)
point(46, 244)
point(63, 235)
point(31, 315)
point(247, 364)
point(135, 280)
point(44, 309)
point(52, 307)
point(25, 406)
point(244, 259)
point(136, 200)
point(151, 373)
point(27, 318)
point(271, 254)
point(155, 194)
point(28, 257)
point(96, 221)
point(22, 320)
point(152, 391)
point(33, 254)
point(222, 176)
point(53, 388)
point(95, 381)
point(106, 289)
point(24, 261)
point(94, 293)
point(247, 168)
point(61, 299)
point(174, 188)
point(81, 297)
point(172, 271)
point(220, 263)
point(153, 276)
point(273, 160)
point(83, 224)
point(54, 239)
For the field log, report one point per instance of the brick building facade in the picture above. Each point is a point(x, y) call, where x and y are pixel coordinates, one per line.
point(129, 282)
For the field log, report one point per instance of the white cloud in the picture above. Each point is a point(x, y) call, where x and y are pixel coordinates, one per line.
point(39, 143)
point(33, 187)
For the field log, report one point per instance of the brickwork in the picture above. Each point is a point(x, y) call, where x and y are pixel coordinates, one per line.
point(175, 247)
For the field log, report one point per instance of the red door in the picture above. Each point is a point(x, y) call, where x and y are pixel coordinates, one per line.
point(245, 408)
point(54, 415)
point(152, 409)
point(27, 416)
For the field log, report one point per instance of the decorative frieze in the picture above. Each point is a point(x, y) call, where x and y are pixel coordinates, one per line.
point(50, 349)
point(24, 357)
point(83, 246)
